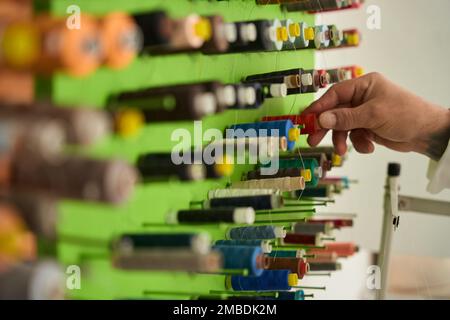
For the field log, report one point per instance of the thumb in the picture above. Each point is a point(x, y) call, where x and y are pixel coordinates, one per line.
point(344, 119)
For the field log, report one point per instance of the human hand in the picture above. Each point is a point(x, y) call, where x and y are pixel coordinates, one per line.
point(373, 109)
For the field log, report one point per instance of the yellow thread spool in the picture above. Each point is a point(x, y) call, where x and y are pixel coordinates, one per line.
point(20, 45)
point(292, 279)
point(282, 34)
point(129, 122)
point(306, 174)
point(294, 134)
point(336, 160)
point(294, 30)
point(203, 29)
point(309, 33)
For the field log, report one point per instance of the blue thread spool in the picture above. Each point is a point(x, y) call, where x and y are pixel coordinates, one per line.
point(284, 254)
point(291, 295)
point(264, 245)
point(242, 257)
point(285, 129)
point(270, 280)
point(258, 232)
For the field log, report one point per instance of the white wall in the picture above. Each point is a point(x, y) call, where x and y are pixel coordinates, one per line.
point(413, 49)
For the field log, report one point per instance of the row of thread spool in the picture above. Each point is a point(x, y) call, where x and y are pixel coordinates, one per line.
point(87, 176)
point(43, 44)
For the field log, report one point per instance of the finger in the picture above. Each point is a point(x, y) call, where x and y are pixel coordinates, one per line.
point(315, 138)
point(345, 119)
point(340, 142)
point(361, 141)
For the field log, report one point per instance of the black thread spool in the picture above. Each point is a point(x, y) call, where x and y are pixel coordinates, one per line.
point(321, 191)
point(161, 166)
point(262, 41)
point(174, 103)
point(75, 178)
point(314, 5)
point(248, 96)
point(324, 266)
point(277, 75)
point(212, 216)
point(128, 243)
point(261, 202)
point(281, 173)
point(315, 86)
point(156, 28)
point(225, 94)
point(246, 34)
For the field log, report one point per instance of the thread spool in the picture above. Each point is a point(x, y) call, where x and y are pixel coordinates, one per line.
point(174, 103)
point(324, 257)
point(281, 173)
point(109, 181)
point(336, 36)
point(242, 257)
point(275, 90)
point(156, 28)
point(308, 121)
point(17, 243)
point(313, 228)
point(294, 265)
point(246, 34)
point(260, 202)
point(225, 94)
point(208, 216)
point(161, 166)
point(325, 266)
point(75, 51)
point(249, 96)
point(39, 213)
point(292, 295)
point(169, 260)
point(81, 125)
point(342, 249)
point(287, 253)
point(269, 280)
point(337, 223)
point(199, 243)
point(321, 191)
point(220, 39)
point(256, 233)
point(351, 38)
point(265, 246)
point(270, 146)
point(121, 39)
point(296, 238)
point(286, 184)
point(305, 78)
point(310, 164)
point(226, 193)
point(38, 281)
point(314, 86)
point(313, 5)
point(42, 138)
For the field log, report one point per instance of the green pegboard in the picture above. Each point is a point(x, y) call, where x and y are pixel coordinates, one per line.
point(86, 224)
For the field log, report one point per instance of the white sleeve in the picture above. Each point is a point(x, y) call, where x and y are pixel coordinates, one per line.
point(439, 173)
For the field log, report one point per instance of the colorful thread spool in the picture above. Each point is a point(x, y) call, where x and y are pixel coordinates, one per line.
point(308, 121)
point(242, 257)
point(265, 246)
point(295, 265)
point(256, 232)
point(208, 216)
point(269, 280)
point(260, 202)
point(283, 128)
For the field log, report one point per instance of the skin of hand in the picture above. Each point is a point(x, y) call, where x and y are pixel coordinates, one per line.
point(373, 109)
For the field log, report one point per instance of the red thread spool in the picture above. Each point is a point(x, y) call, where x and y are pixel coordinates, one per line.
point(323, 78)
point(295, 265)
point(324, 257)
point(295, 238)
point(342, 249)
point(309, 121)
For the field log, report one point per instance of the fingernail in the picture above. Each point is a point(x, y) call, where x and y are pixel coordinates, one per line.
point(328, 120)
